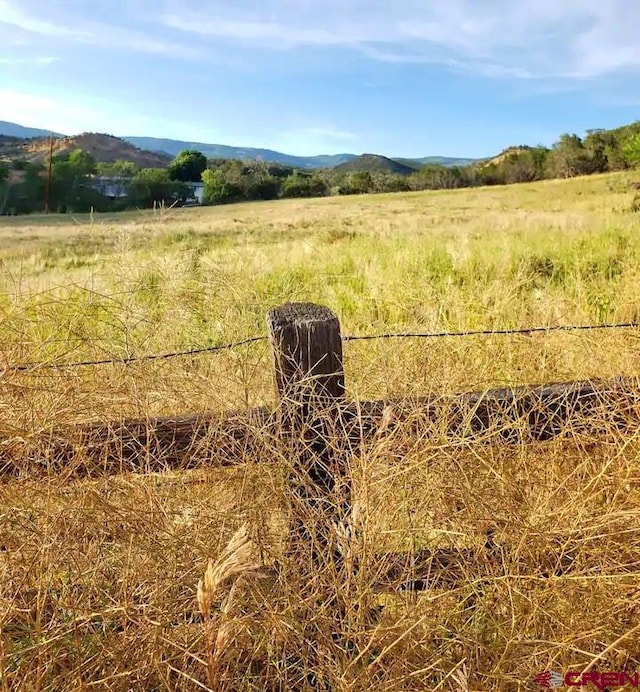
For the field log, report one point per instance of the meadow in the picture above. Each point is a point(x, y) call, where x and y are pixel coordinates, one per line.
point(99, 576)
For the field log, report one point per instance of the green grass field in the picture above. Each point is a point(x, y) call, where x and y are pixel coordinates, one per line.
point(99, 577)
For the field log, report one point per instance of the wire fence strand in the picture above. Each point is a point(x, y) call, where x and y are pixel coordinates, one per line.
point(491, 332)
point(135, 359)
point(22, 367)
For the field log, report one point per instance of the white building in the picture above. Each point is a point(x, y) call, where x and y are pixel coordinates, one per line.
point(197, 192)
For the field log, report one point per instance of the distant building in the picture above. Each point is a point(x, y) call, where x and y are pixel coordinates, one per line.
point(111, 187)
point(117, 187)
point(197, 193)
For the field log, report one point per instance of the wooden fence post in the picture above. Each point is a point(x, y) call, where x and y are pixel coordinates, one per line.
point(309, 376)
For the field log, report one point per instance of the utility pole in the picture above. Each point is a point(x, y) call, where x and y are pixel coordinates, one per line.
point(47, 190)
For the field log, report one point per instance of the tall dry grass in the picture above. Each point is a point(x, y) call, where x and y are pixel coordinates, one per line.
point(100, 575)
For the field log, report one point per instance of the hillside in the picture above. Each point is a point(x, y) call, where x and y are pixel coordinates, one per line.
point(221, 151)
point(503, 155)
point(373, 163)
point(104, 149)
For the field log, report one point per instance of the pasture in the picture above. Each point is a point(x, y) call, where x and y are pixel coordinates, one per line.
point(99, 575)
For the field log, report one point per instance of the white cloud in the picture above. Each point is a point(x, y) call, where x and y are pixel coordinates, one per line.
point(574, 40)
point(267, 34)
point(75, 27)
point(522, 39)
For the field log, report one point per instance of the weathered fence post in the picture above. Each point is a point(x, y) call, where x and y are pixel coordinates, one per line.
point(309, 377)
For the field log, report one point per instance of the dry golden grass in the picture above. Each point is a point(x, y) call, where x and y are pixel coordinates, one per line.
point(100, 576)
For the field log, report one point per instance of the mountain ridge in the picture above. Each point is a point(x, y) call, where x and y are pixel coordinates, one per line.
point(171, 147)
point(225, 151)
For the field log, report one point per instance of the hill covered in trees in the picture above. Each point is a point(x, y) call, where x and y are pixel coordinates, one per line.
point(373, 163)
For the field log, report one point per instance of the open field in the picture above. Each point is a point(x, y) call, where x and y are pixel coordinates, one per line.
point(99, 577)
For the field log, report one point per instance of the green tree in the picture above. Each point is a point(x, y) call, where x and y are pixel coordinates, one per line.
point(597, 143)
point(188, 166)
point(390, 182)
point(82, 162)
point(70, 185)
point(631, 149)
point(153, 185)
point(27, 195)
point(217, 189)
point(118, 169)
point(569, 157)
point(4, 186)
point(524, 164)
point(360, 182)
point(436, 177)
point(258, 183)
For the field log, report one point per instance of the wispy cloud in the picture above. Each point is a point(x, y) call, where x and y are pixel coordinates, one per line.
point(79, 27)
point(523, 39)
point(266, 34)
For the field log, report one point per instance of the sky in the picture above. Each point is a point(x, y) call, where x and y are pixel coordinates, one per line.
point(396, 77)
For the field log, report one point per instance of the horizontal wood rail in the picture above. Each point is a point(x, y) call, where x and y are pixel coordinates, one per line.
point(506, 415)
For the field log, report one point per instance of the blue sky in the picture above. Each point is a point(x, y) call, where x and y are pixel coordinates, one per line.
point(398, 77)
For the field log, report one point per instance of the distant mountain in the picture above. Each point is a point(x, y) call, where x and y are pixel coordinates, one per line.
point(446, 161)
point(222, 151)
point(168, 148)
point(15, 130)
point(375, 164)
point(103, 148)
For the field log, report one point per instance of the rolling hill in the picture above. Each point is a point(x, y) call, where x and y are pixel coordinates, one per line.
point(103, 148)
point(373, 163)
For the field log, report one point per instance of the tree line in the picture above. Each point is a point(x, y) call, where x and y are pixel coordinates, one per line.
point(75, 183)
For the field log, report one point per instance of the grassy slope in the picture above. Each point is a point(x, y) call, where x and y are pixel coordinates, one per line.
point(99, 578)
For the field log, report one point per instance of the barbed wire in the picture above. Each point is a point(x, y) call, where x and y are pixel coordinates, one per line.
point(134, 359)
point(22, 367)
point(491, 332)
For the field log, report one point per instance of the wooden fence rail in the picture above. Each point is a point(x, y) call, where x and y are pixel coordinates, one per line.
point(321, 428)
point(508, 416)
